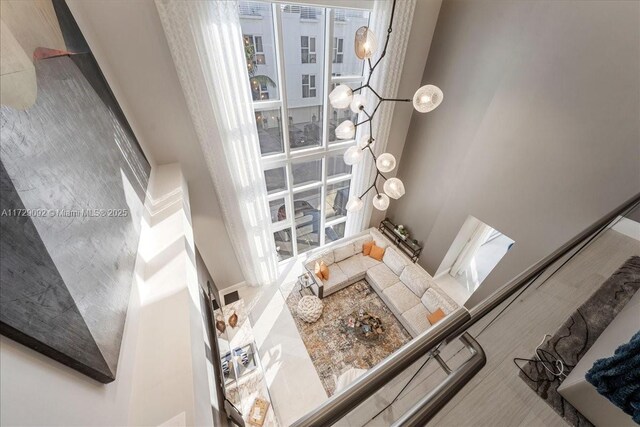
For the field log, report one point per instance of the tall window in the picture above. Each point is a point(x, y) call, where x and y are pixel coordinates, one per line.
point(308, 85)
point(306, 178)
point(308, 49)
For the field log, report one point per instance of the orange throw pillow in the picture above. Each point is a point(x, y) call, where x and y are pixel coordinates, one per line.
point(436, 316)
point(366, 248)
point(376, 252)
point(318, 270)
point(324, 270)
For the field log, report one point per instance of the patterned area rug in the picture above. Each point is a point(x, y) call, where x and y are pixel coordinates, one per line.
point(332, 348)
point(578, 334)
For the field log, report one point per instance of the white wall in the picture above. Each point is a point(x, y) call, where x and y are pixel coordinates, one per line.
point(538, 133)
point(162, 369)
point(38, 391)
point(128, 42)
point(170, 376)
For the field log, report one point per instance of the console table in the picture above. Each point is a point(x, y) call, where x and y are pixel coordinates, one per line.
point(406, 245)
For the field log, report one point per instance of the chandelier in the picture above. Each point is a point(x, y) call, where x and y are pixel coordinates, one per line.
point(426, 99)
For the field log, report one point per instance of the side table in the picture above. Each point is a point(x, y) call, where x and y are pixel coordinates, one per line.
point(305, 283)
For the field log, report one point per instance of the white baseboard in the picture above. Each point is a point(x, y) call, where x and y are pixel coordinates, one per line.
point(628, 227)
point(444, 273)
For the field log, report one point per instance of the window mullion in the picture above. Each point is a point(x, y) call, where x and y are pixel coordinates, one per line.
point(328, 64)
point(279, 44)
point(266, 105)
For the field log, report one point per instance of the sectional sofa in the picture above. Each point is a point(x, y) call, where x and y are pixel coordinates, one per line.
point(406, 288)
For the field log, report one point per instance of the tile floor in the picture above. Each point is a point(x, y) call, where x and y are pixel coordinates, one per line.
point(293, 382)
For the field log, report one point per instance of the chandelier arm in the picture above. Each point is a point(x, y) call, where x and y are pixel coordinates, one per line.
point(373, 155)
point(363, 122)
point(386, 43)
point(375, 109)
point(374, 92)
point(367, 190)
point(395, 100)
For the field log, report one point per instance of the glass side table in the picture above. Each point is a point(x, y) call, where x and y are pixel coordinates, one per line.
point(305, 282)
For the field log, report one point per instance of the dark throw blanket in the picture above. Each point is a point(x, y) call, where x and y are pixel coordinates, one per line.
point(577, 335)
point(618, 377)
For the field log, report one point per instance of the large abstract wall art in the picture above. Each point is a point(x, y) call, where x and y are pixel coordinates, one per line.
point(73, 181)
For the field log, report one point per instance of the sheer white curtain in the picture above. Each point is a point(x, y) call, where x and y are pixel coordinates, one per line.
point(205, 40)
point(385, 81)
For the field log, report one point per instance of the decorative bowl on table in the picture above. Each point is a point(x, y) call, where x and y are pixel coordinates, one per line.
point(364, 325)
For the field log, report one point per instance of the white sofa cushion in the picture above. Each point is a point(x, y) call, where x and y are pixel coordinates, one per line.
point(401, 297)
point(417, 318)
point(367, 261)
point(361, 241)
point(381, 276)
point(343, 252)
point(416, 279)
point(433, 299)
point(353, 268)
point(311, 266)
point(394, 261)
point(337, 279)
point(327, 257)
point(379, 239)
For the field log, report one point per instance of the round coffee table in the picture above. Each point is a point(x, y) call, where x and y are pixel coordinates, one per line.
point(364, 325)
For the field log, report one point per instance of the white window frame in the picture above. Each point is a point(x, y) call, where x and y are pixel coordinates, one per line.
point(311, 87)
point(253, 42)
point(322, 152)
point(312, 57)
point(338, 50)
point(263, 90)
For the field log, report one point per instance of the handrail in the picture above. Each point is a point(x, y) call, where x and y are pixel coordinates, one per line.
point(500, 295)
point(427, 407)
point(449, 328)
point(371, 381)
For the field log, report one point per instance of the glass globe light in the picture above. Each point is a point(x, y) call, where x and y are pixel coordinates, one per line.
point(363, 141)
point(353, 155)
point(427, 98)
point(365, 43)
point(381, 202)
point(346, 130)
point(386, 162)
point(357, 103)
point(394, 188)
point(340, 97)
point(354, 204)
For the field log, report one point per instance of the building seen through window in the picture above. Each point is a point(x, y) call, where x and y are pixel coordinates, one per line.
point(307, 181)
